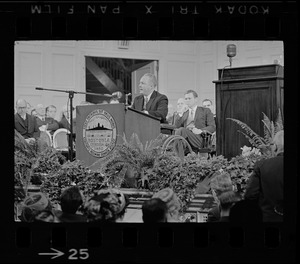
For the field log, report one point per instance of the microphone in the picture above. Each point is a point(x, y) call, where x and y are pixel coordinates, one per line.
point(126, 98)
point(39, 88)
point(231, 50)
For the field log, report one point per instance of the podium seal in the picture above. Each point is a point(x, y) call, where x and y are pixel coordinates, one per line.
point(99, 133)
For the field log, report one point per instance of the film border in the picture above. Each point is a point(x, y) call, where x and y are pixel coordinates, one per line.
point(166, 22)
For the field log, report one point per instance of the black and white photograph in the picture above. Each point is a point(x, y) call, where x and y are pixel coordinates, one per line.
point(148, 131)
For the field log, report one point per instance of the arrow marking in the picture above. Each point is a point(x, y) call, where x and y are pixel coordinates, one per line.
point(55, 254)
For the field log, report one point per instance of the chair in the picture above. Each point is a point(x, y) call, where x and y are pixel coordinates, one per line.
point(178, 144)
point(167, 129)
point(206, 146)
point(60, 139)
point(46, 137)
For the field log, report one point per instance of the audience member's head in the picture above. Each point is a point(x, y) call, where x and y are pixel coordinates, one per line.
point(107, 205)
point(147, 84)
point(40, 110)
point(168, 196)
point(33, 204)
point(70, 200)
point(154, 210)
point(51, 111)
point(191, 98)
point(223, 190)
point(278, 142)
point(21, 107)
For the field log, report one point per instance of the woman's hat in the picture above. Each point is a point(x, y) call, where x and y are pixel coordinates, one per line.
point(169, 197)
point(107, 204)
point(33, 204)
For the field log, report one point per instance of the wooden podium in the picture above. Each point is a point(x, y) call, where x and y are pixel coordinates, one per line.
point(244, 93)
point(99, 128)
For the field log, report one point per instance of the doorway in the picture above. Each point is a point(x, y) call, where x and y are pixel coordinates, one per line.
point(108, 75)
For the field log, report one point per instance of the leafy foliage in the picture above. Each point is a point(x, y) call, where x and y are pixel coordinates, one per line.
point(131, 156)
point(270, 129)
point(72, 173)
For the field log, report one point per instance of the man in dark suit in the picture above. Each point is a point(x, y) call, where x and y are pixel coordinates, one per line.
point(194, 121)
point(26, 124)
point(150, 101)
point(266, 183)
point(52, 124)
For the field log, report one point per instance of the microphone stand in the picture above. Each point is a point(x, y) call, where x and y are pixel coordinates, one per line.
point(71, 95)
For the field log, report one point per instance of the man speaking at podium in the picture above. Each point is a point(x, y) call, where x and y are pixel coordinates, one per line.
point(150, 101)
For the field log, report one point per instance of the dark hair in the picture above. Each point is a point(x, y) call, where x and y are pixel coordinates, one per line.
point(154, 210)
point(70, 200)
point(193, 92)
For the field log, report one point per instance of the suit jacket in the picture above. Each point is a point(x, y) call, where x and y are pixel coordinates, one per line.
point(52, 124)
point(266, 185)
point(204, 119)
point(32, 129)
point(64, 123)
point(40, 122)
point(157, 105)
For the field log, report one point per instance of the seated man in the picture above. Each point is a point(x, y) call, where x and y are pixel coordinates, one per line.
point(181, 108)
point(195, 121)
point(40, 117)
point(51, 123)
point(150, 101)
point(208, 103)
point(65, 119)
point(26, 124)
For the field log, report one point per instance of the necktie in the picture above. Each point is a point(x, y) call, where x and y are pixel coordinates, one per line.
point(145, 102)
point(190, 119)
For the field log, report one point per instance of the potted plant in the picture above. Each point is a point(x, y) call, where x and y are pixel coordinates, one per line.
point(270, 129)
point(127, 164)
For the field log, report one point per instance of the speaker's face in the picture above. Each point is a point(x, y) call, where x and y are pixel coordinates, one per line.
point(145, 85)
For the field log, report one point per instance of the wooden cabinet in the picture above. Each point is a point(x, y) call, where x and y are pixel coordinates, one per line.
point(244, 93)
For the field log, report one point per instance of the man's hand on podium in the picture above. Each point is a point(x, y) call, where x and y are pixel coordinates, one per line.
point(146, 112)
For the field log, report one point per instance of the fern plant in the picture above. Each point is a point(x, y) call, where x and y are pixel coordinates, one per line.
point(134, 157)
point(270, 129)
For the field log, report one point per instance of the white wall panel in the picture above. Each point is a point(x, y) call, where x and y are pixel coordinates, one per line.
point(63, 71)
point(150, 46)
point(181, 48)
point(29, 68)
point(180, 77)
